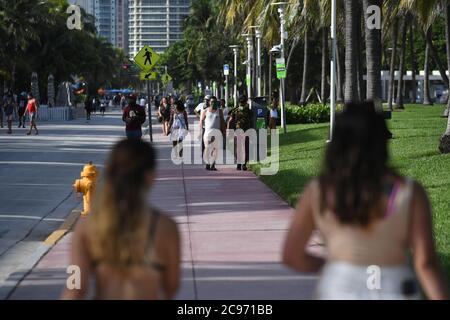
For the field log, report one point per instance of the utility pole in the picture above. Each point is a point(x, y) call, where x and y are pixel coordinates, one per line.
point(150, 128)
point(281, 12)
point(333, 68)
point(236, 52)
point(258, 60)
point(248, 62)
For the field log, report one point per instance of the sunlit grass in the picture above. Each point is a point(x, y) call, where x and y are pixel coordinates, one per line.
point(414, 153)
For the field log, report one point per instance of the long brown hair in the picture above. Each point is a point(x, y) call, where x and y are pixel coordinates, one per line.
point(120, 207)
point(355, 164)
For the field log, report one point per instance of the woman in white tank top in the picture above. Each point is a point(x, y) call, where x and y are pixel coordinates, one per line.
point(214, 123)
point(376, 225)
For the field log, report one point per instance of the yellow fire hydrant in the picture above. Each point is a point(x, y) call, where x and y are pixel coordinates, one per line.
point(86, 185)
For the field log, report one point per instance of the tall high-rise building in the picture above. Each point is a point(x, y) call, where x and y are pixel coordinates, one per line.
point(87, 5)
point(111, 19)
point(105, 19)
point(122, 24)
point(157, 23)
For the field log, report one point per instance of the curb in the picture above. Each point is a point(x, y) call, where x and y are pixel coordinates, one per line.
point(8, 287)
point(56, 235)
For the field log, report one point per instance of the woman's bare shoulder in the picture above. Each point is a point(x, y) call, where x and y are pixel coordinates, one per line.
point(166, 223)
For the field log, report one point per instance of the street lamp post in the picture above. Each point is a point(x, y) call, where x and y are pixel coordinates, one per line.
point(258, 60)
point(236, 52)
point(283, 37)
point(248, 78)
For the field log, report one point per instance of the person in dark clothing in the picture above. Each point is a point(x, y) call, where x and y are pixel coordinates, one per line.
point(134, 116)
point(22, 104)
point(241, 117)
point(88, 107)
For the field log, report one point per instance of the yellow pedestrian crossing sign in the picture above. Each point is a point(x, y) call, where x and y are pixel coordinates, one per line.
point(166, 78)
point(146, 58)
point(148, 75)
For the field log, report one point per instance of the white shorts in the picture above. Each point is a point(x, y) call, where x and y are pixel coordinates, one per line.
point(345, 281)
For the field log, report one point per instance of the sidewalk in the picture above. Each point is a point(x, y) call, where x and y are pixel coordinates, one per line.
point(232, 226)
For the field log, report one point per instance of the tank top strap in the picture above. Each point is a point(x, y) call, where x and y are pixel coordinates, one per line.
point(405, 206)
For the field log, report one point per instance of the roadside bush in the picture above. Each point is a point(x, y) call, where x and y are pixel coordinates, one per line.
point(311, 113)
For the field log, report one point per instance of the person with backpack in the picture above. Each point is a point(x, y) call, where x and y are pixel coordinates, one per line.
point(134, 116)
point(178, 127)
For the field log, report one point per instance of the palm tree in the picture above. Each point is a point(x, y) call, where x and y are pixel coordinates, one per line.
point(426, 83)
point(351, 55)
point(373, 57)
point(394, 31)
point(444, 145)
point(413, 64)
point(19, 21)
point(403, 32)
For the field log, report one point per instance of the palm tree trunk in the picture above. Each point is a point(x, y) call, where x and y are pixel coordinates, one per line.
point(426, 83)
point(444, 145)
point(392, 66)
point(373, 59)
point(435, 56)
point(340, 74)
point(360, 63)
point(305, 70)
point(447, 45)
point(413, 64)
point(351, 37)
point(403, 32)
point(323, 83)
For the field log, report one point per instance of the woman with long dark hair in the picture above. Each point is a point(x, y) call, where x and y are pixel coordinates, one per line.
point(373, 221)
point(130, 248)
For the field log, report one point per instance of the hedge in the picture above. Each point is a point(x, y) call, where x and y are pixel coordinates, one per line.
point(310, 113)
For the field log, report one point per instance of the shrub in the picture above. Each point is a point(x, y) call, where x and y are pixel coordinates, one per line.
point(311, 113)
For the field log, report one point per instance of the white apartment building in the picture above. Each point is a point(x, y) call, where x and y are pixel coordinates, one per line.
point(157, 23)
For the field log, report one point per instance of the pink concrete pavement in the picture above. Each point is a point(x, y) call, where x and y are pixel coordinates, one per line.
point(232, 227)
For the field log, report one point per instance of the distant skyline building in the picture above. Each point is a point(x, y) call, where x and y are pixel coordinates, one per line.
point(157, 23)
point(122, 24)
point(111, 19)
point(105, 19)
point(87, 5)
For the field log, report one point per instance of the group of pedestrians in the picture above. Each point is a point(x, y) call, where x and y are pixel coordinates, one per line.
point(367, 215)
point(18, 107)
point(216, 117)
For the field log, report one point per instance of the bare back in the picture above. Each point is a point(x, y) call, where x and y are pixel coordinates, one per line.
point(156, 278)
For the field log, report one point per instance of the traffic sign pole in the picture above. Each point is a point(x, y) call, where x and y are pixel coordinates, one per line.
point(150, 126)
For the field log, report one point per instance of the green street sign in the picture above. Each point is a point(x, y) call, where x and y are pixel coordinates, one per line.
point(281, 68)
point(144, 75)
point(146, 58)
point(166, 78)
point(248, 80)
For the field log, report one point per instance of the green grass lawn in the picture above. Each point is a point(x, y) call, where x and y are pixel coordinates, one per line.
point(414, 153)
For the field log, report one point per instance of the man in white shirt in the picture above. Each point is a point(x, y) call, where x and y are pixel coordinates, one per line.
point(199, 112)
point(202, 106)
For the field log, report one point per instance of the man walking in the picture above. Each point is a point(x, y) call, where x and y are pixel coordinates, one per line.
point(241, 117)
point(10, 109)
point(134, 116)
point(32, 110)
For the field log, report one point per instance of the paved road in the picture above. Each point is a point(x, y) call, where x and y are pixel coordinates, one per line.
point(36, 177)
point(232, 230)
